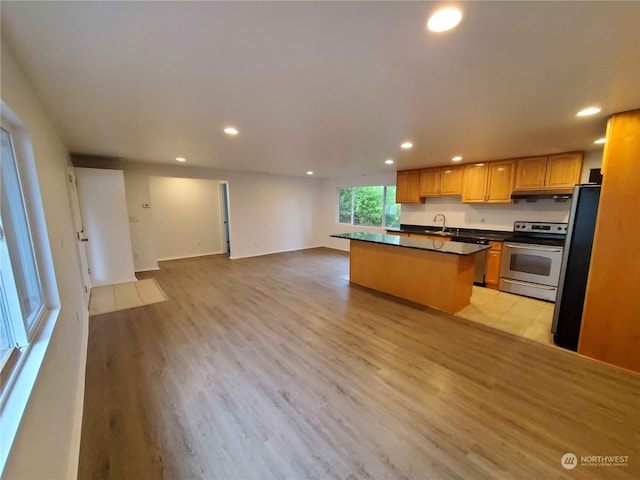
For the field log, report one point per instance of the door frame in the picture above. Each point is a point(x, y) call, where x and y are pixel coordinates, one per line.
point(81, 245)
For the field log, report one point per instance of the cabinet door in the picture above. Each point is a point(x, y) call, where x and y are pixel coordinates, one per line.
point(563, 170)
point(430, 182)
point(401, 186)
point(413, 187)
point(451, 180)
point(492, 272)
point(474, 183)
point(500, 184)
point(530, 173)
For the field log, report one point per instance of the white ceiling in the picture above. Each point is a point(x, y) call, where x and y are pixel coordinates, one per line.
point(326, 86)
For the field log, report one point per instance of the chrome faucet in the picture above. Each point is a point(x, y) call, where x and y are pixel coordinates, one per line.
point(444, 220)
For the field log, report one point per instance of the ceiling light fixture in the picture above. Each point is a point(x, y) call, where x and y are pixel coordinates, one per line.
point(230, 131)
point(406, 145)
point(388, 161)
point(309, 172)
point(444, 19)
point(457, 158)
point(600, 141)
point(181, 159)
point(588, 111)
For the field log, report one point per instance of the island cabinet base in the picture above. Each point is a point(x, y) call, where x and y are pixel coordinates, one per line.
point(437, 280)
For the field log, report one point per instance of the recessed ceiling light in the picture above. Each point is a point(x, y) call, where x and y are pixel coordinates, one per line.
point(309, 172)
point(444, 19)
point(406, 145)
point(479, 164)
point(181, 159)
point(388, 161)
point(457, 158)
point(600, 141)
point(588, 111)
point(230, 131)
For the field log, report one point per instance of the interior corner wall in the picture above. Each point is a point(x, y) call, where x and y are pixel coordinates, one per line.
point(186, 216)
point(48, 439)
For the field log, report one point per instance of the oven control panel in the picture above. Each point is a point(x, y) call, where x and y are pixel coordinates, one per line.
point(541, 227)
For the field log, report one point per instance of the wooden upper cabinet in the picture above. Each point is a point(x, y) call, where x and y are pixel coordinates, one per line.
point(451, 180)
point(563, 170)
point(401, 186)
point(500, 183)
point(531, 173)
point(439, 181)
point(430, 182)
point(474, 183)
point(490, 182)
point(408, 187)
point(555, 171)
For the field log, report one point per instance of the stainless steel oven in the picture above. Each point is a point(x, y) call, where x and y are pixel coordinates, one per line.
point(531, 260)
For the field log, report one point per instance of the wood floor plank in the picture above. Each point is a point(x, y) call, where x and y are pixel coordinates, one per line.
point(275, 367)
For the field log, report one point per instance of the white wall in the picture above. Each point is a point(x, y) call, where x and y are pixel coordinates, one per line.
point(49, 434)
point(106, 224)
point(267, 213)
point(483, 216)
point(591, 160)
point(186, 216)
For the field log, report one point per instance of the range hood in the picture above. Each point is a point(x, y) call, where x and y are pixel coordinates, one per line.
point(557, 194)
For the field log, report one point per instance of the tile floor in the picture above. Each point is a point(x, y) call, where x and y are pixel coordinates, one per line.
point(112, 298)
point(522, 316)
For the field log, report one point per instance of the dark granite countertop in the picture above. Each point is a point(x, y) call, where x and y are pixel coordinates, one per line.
point(443, 246)
point(471, 233)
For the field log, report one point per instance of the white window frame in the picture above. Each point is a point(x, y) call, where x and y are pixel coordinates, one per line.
point(19, 386)
point(384, 206)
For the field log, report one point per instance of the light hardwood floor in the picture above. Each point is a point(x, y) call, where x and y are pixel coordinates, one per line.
point(275, 367)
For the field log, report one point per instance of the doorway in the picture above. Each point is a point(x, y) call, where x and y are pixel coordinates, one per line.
point(224, 202)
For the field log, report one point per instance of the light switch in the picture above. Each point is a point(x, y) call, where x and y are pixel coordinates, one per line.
point(146, 205)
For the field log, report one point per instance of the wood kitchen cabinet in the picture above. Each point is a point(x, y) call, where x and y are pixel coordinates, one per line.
point(490, 182)
point(451, 180)
point(553, 171)
point(494, 259)
point(563, 170)
point(610, 329)
point(435, 182)
point(408, 187)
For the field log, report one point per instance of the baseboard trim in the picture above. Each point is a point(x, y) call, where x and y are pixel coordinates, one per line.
point(164, 259)
point(76, 433)
point(273, 253)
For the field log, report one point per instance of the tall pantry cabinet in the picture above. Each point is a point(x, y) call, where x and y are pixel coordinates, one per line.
point(611, 317)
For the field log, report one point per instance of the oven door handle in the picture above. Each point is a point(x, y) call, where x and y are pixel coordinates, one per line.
point(542, 249)
point(541, 287)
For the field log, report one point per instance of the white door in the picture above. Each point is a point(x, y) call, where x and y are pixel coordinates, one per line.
point(103, 208)
point(80, 236)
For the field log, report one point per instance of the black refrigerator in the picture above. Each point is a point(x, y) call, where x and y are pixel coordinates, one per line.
point(567, 315)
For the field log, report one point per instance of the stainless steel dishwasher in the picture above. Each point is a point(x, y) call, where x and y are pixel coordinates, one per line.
point(481, 259)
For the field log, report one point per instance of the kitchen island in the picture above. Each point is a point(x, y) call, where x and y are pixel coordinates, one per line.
point(435, 273)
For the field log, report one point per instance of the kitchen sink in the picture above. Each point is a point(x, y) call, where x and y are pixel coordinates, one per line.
point(440, 233)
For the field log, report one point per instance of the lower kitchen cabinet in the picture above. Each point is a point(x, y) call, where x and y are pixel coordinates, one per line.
point(494, 258)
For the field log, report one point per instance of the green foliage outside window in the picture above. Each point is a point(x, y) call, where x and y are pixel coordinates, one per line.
point(373, 206)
